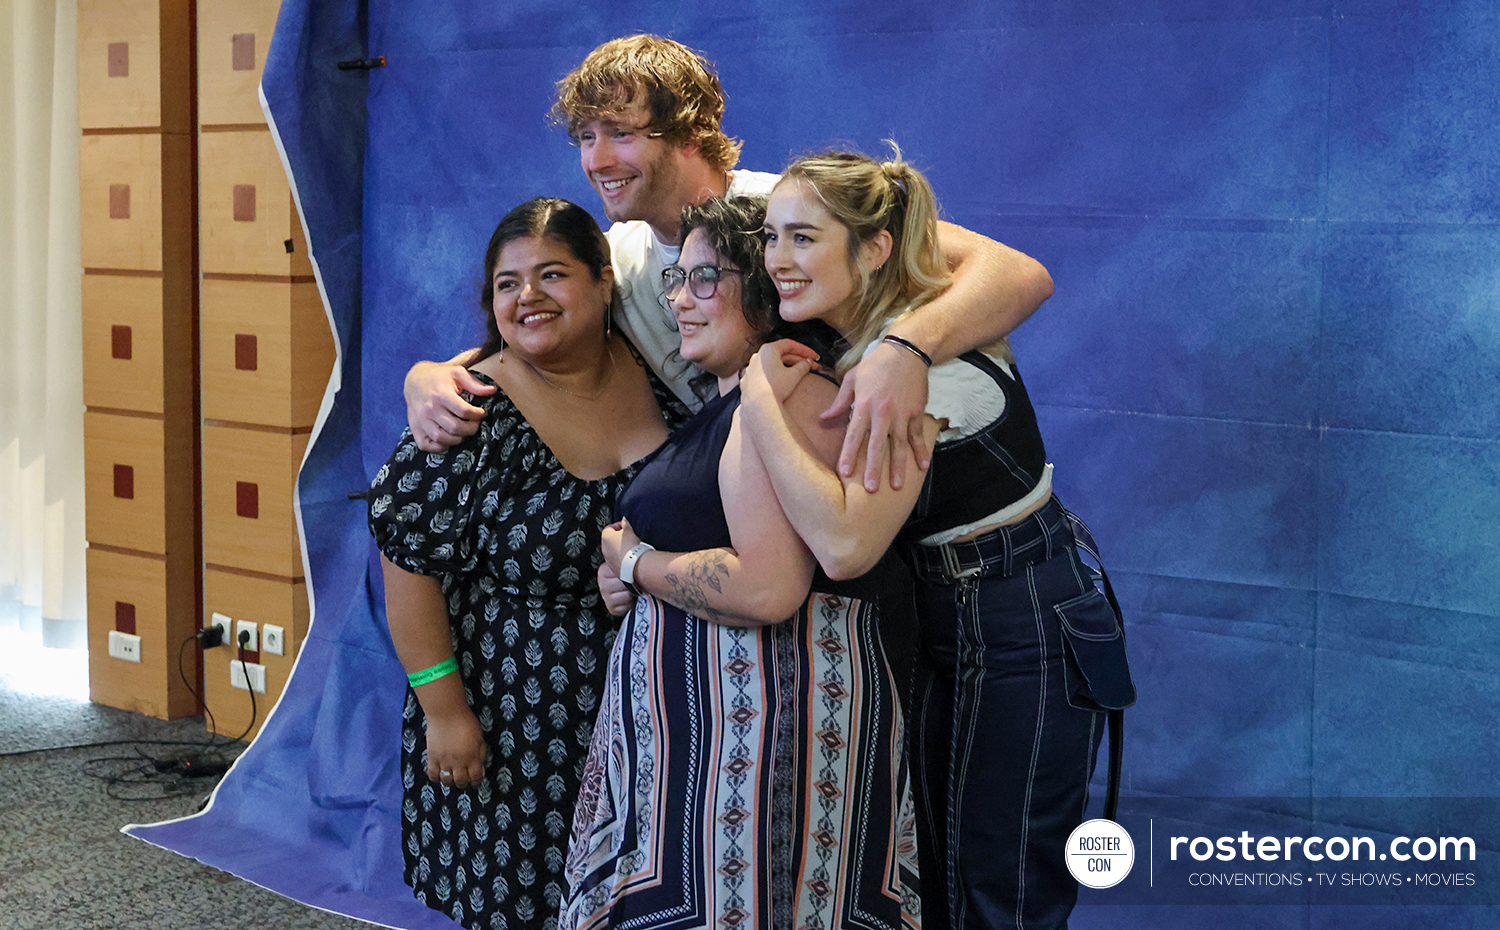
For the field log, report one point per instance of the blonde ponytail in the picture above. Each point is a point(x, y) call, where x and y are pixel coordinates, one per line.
point(866, 197)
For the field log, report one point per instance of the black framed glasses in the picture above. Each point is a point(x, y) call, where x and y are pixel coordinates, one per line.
point(702, 280)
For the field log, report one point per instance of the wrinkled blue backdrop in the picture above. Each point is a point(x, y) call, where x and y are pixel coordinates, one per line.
point(1267, 378)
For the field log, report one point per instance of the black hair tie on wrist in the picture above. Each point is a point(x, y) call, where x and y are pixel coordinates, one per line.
point(909, 346)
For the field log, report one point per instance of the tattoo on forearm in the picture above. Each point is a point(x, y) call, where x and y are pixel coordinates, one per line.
point(688, 592)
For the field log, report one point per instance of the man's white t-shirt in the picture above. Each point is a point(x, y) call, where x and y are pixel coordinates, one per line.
point(638, 258)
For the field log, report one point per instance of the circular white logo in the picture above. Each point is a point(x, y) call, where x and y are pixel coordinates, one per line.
point(1100, 853)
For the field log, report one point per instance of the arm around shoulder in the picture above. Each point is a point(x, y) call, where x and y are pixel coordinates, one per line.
point(436, 411)
point(995, 289)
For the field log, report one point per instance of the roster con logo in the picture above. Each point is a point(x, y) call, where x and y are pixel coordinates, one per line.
point(1100, 853)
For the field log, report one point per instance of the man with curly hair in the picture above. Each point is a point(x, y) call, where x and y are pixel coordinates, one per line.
point(645, 113)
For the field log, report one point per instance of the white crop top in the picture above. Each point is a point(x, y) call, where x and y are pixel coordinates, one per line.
point(968, 400)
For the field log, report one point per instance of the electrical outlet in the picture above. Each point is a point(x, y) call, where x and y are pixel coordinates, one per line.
point(245, 626)
point(273, 639)
point(238, 670)
point(125, 646)
point(225, 625)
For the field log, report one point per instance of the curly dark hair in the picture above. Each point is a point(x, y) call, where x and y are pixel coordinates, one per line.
point(734, 227)
point(553, 218)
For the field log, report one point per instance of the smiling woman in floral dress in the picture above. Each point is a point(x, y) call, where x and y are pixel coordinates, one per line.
point(489, 555)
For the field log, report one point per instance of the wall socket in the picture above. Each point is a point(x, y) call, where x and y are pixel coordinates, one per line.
point(125, 646)
point(245, 626)
point(225, 625)
point(238, 670)
point(273, 639)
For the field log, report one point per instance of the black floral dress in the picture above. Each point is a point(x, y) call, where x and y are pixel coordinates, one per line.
point(514, 539)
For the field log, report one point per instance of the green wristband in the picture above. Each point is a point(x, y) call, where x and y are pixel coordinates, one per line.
point(447, 666)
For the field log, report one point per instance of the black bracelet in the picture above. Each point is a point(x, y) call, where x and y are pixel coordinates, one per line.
point(909, 346)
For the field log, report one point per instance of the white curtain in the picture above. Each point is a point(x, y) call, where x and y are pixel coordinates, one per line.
point(41, 345)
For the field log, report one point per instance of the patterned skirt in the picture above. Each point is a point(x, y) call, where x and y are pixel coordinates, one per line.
point(746, 778)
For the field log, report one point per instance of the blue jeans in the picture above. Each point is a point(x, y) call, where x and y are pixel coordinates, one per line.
point(1004, 730)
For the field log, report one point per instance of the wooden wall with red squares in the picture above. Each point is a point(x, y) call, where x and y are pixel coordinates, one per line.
point(266, 354)
point(137, 226)
point(206, 349)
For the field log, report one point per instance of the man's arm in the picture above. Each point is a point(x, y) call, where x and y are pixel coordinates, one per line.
point(435, 410)
point(994, 290)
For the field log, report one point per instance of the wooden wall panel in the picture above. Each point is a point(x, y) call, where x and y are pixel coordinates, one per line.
point(246, 214)
point(232, 43)
point(248, 477)
point(151, 686)
point(123, 180)
point(267, 352)
point(138, 231)
point(313, 353)
point(122, 342)
point(125, 482)
point(119, 64)
point(133, 65)
point(120, 180)
point(261, 601)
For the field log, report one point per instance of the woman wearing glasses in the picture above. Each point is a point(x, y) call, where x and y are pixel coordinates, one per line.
point(746, 766)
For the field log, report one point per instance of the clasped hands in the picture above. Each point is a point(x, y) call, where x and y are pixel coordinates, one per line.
point(884, 396)
point(617, 539)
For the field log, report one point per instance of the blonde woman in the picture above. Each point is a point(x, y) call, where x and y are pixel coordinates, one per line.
point(1021, 654)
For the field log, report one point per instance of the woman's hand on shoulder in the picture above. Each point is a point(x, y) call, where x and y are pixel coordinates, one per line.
point(775, 371)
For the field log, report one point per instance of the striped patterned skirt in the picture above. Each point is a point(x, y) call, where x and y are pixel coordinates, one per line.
point(746, 778)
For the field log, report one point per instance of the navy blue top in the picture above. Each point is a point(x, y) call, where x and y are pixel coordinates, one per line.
point(674, 503)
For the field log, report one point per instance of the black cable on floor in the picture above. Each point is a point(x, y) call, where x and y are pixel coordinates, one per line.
point(146, 777)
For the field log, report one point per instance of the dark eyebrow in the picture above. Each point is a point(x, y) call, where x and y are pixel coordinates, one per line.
point(539, 267)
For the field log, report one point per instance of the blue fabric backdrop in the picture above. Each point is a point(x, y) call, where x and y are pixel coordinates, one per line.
point(1267, 378)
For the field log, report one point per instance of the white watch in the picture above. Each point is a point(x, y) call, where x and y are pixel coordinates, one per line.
point(627, 565)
